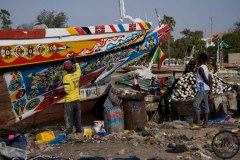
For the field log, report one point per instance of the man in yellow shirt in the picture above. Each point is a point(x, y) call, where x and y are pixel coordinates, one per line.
point(72, 107)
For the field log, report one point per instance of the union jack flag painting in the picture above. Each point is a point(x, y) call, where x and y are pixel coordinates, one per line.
point(99, 29)
point(132, 27)
point(164, 32)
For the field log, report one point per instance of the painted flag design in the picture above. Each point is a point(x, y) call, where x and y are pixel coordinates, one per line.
point(159, 57)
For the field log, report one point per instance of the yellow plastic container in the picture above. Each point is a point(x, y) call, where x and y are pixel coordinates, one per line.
point(88, 131)
point(45, 137)
point(126, 131)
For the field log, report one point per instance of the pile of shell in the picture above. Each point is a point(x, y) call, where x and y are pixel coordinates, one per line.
point(220, 86)
point(186, 87)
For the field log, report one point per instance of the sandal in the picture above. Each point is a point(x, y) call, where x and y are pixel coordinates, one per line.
point(195, 126)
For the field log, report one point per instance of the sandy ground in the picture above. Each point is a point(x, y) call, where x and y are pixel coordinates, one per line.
point(143, 148)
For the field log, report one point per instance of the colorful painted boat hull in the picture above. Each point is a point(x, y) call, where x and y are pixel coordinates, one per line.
point(92, 100)
point(24, 47)
point(31, 68)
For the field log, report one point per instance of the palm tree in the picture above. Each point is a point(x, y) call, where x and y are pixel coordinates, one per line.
point(172, 23)
point(5, 18)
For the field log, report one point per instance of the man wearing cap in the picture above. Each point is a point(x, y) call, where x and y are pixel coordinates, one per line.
point(72, 108)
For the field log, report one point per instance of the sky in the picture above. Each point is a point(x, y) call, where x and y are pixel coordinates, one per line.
point(188, 14)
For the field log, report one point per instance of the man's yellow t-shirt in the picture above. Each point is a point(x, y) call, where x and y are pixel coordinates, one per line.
point(71, 85)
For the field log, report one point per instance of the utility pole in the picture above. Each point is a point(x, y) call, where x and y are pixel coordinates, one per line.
point(169, 60)
point(221, 55)
point(211, 25)
point(218, 52)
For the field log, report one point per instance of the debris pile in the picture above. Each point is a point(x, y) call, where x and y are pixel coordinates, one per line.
point(161, 139)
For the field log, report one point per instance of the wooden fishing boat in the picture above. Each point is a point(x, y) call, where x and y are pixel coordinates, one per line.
point(92, 99)
point(31, 68)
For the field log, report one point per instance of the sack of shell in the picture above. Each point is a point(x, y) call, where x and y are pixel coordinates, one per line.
point(186, 88)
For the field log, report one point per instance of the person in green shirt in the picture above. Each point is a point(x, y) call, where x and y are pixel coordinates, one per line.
point(72, 107)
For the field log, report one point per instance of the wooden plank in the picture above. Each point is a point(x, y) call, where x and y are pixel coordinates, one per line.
point(5, 116)
point(2, 78)
point(22, 34)
point(8, 124)
point(5, 101)
point(6, 113)
point(6, 119)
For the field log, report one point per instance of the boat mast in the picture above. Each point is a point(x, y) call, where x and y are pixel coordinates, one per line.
point(124, 17)
point(122, 9)
point(158, 17)
point(159, 24)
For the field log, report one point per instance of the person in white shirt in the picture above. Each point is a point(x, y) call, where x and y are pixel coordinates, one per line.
point(203, 82)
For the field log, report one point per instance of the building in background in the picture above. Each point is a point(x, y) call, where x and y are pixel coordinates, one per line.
point(210, 39)
point(234, 58)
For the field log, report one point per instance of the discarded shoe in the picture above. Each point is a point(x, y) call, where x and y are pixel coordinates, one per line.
point(195, 126)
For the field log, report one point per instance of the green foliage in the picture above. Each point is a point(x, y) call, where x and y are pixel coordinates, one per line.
point(168, 44)
point(190, 44)
point(52, 19)
point(232, 39)
point(181, 47)
point(237, 26)
point(212, 51)
point(186, 33)
point(170, 21)
point(5, 18)
point(193, 39)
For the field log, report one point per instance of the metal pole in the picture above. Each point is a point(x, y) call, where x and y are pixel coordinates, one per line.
point(211, 25)
point(158, 17)
point(221, 56)
point(218, 52)
point(169, 51)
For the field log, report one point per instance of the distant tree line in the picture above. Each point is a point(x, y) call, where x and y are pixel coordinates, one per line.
point(192, 43)
point(51, 19)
